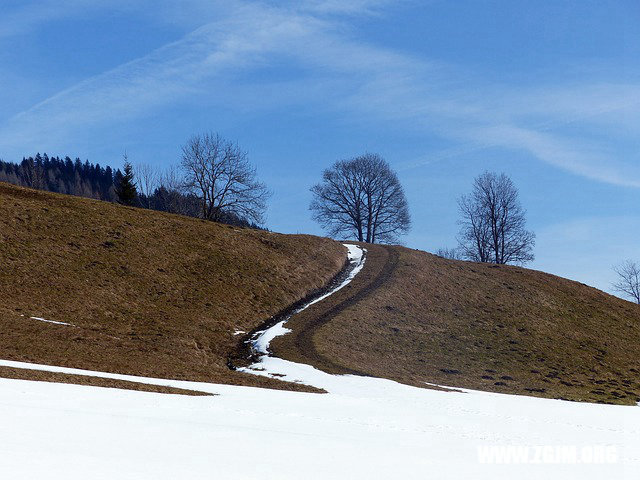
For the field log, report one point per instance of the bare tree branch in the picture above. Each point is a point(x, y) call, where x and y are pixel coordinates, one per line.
point(628, 280)
point(450, 253)
point(147, 178)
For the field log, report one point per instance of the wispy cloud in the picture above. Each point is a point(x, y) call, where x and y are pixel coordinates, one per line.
point(27, 16)
point(360, 79)
point(359, 7)
point(163, 76)
point(247, 37)
point(570, 154)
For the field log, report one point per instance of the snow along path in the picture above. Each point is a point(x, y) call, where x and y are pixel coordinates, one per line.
point(365, 428)
point(356, 257)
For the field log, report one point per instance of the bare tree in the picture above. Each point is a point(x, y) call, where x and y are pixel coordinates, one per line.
point(170, 189)
point(450, 253)
point(219, 172)
point(628, 280)
point(493, 223)
point(361, 198)
point(172, 196)
point(147, 177)
point(171, 178)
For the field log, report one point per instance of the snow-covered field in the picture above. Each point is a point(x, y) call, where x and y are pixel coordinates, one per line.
point(363, 428)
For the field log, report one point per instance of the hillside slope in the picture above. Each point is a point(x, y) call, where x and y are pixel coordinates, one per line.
point(415, 317)
point(145, 293)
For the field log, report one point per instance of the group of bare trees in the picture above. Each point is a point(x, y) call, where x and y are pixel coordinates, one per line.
point(361, 198)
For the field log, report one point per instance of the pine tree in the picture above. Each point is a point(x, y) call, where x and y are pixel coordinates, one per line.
point(126, 188)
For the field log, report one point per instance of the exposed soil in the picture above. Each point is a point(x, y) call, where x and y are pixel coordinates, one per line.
point(300, 345)
point(245, 355)
point(379, 266)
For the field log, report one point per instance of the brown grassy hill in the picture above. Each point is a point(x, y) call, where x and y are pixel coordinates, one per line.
point(153, 294)
point(479, 326)
point(147, 293)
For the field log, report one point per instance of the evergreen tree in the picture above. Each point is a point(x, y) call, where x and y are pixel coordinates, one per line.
point(126, 188)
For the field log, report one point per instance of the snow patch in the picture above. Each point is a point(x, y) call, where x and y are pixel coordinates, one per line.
point(261, 344)
point(51, 321)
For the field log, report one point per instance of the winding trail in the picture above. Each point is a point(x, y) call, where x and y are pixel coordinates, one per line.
point(369, 269)
point(305, 329)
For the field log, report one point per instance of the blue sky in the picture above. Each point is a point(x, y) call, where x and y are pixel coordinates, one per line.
point(547, 92)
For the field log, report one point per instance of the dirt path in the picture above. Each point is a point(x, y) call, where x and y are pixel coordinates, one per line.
point(299, 345)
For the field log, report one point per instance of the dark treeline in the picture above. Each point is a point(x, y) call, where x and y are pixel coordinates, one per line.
point(84, 179)
point(61, 175)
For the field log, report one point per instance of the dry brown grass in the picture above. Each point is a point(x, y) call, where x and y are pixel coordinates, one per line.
point(148, 293)
point(159, 295)
point(55, 377)
point(487, 327)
